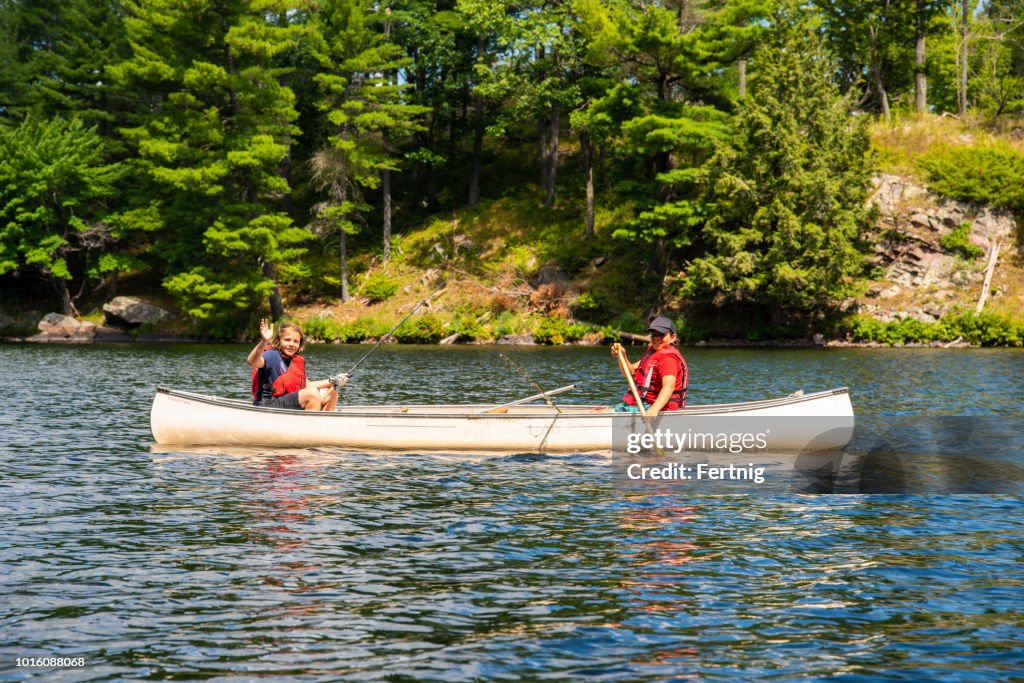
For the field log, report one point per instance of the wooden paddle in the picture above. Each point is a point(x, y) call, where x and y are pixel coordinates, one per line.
point(627, 372)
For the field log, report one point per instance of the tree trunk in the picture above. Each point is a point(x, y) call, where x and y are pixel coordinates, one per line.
point(588, 172)
point(552, 158)
point(344, 267)
point(276, 305)
point(920, 80)
point(741, 67)
point(964, 25)
point(385, 185)
point(542, 139)
point(478, 134)
point(66, 305)
point(876, 74)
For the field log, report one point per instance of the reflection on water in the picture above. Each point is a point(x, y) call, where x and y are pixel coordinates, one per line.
point(322, 564)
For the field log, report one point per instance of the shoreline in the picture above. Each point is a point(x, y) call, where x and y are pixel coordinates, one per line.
point(128, 338)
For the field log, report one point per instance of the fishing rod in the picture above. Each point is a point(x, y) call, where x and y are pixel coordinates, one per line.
point(505, 406)
point(393, 330)
point(532, 381)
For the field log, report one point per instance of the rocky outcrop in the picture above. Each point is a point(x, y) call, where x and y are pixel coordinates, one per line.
point(130, 312)
point(60, 328)
point(919, 278)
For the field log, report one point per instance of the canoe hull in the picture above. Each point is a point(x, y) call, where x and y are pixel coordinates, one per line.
point(183, 418)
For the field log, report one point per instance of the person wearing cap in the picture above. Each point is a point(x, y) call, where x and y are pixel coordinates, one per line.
point(661, 374)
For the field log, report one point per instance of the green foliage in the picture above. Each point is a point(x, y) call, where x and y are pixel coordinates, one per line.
point(469, 326)
point(985, 329)
point(507, 323)
point(787, 200)
point(764, 332)
point(692, 332)
point(424, 329)
point(55, 191)
point(211, 142)
point(327, 329)
point(958, 241)
point(585, 303)
point(629, 322)
point(379, 287)
point(552, 330)
point(991, 174)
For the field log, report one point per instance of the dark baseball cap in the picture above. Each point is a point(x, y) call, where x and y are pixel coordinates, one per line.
point(662, 324)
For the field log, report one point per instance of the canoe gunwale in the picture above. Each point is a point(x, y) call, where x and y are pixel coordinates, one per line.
point(463, 411)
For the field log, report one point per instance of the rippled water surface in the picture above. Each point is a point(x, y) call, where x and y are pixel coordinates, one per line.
point(320, 564)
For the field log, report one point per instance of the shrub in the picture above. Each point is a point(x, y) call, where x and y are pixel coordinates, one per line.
point(552, 330)
point(321, 328)
point(984, 329)
point(993, 174)
point(959, 242)
point(426, 329)
point(379, 287)
point(506, 323)
point(469, 326)
point(360, 329)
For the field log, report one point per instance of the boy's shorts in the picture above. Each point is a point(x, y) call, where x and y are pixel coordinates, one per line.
point(286, 402)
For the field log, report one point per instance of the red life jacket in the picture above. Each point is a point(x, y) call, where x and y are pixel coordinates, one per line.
point(279, 381)
point(648, 379)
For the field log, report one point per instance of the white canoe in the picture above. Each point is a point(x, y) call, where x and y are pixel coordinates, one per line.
point(822, 420)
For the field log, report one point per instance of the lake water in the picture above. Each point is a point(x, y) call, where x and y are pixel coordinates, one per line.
point(319, 564)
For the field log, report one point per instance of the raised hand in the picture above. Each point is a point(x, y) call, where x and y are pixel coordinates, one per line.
point(266, 331)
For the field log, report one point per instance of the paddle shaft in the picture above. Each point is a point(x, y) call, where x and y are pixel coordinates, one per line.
point(394, 329)
point(553, 392)
point(532, 381)
point(627, 371)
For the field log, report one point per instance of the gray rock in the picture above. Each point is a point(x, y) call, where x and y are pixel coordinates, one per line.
point(58, 325)
point(890, 292)
point(517, 340)
point(130, 312)
point(550, 274)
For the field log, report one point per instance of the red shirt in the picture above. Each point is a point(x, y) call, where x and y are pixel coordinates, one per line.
point(653, 366)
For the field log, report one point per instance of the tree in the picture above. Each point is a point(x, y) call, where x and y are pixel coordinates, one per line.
point(215, 124)
point(487, 22)
point(786, 200)
point(364, 110)
point(55, 190)
point(56, 55)
point(673, 101)
point(999, 58)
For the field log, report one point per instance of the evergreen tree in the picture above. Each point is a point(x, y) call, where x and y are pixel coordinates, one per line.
point(787, 200)
point(215, 124)
point(675, 102)
point(365, 113)
point(55, 195)
point(55, 56)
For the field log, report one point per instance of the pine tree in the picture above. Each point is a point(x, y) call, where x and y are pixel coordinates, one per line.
point(787, 200)
point(365, 112)
point(215, 126)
